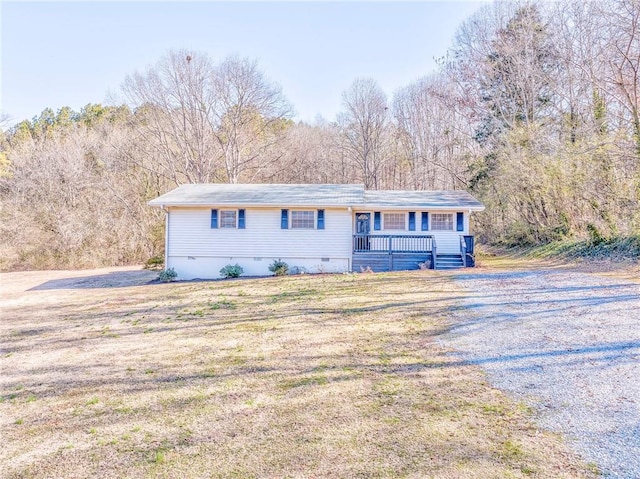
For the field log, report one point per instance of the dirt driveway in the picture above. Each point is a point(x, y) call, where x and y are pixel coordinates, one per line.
point(565, 342)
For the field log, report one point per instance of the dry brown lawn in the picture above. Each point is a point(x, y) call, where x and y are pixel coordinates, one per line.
point(336, 376)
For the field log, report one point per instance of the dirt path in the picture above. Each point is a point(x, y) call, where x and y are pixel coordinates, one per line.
point(566, 343)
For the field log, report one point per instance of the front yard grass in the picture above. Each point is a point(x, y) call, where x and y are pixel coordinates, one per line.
point(335, 376)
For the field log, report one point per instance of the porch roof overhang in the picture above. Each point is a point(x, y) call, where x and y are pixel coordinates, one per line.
point(419, 200)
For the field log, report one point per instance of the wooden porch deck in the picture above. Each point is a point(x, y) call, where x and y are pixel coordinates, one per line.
point(407, 252)
point(393, 252)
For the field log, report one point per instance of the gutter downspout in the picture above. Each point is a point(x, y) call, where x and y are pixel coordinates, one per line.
point(351, 221)
point(166, 237)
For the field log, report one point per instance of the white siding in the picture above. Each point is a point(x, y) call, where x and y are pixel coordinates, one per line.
point(208, 267)
point(196, 250)
point(447, 242)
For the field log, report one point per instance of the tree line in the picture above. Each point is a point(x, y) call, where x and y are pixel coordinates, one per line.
point(534, 109)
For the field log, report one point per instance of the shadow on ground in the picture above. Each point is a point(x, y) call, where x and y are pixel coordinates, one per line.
point(119, 279)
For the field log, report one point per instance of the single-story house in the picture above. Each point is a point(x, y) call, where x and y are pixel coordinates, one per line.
point(316, 228)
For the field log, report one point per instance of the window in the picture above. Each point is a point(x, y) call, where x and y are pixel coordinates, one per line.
point(394, 221)
point(302, 219)
point(227, 218)
point(442, 221)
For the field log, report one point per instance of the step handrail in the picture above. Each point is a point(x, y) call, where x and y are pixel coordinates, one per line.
point(463, 251)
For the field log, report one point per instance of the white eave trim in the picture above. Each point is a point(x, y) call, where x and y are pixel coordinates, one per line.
point(246, 205)
point(417, 208)
point(298, 206)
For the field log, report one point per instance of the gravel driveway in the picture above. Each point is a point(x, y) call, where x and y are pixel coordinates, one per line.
point(566, 343)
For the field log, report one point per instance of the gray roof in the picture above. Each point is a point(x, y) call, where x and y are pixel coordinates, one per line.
point(313, 195)
point(421, 199)
point(261, 195)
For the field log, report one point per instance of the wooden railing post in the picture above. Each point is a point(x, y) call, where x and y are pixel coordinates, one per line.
point(434, 254)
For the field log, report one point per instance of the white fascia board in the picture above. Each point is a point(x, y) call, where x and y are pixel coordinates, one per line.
point(365, 207)
point(417, 208)
point(248, 205)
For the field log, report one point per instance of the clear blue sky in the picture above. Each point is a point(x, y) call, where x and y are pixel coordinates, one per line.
point(73, 53)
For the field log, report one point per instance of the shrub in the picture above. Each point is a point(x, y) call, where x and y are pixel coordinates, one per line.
point(154, 262)
point(231, 271)
point(279, 267)
point(167, 275)
point(297, 270)
point(595, 236)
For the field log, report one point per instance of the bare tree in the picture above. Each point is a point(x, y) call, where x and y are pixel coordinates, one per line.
point(176, 105)
point(70, 199)
point(313, 154)
point(363, 126)
point(4, 161)
point(621, 57)
point(251, 114)
point(435, 139)
point(204, 122)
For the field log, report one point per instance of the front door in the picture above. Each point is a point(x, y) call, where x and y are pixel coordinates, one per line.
point(363, 222)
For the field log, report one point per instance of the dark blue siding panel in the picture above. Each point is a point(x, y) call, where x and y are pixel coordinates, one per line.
point(379, 262)
point(407, 262)
point(459, 221)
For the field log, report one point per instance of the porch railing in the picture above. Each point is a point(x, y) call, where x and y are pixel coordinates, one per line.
point(394, 244)
point(467, 251)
